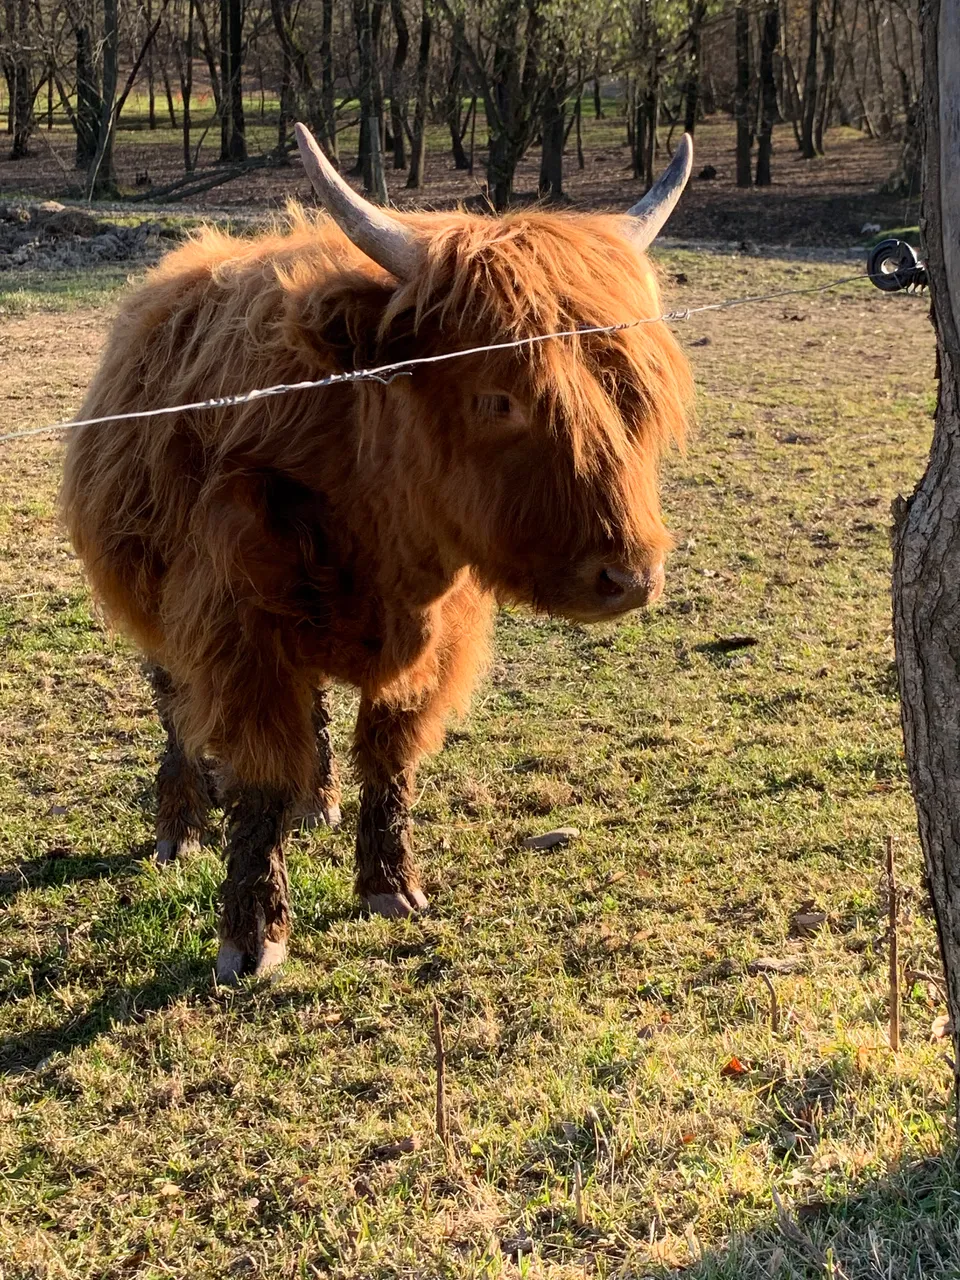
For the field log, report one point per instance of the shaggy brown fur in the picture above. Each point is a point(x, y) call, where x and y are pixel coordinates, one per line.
point(360, 533)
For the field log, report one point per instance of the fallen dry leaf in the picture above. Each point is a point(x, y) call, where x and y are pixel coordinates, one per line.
point(734, 1068)
point(392, 1150)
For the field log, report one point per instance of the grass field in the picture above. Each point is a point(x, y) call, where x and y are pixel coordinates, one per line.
point(603, 1019)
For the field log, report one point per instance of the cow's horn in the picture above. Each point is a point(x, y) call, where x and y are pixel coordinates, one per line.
point(650, 213)
point(384, 239)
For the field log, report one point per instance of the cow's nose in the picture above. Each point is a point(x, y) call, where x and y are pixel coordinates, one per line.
point(627, 588)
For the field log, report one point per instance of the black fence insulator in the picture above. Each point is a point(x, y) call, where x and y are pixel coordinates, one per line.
point(893, 265)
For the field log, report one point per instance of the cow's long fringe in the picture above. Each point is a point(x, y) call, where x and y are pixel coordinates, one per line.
point(218, 539)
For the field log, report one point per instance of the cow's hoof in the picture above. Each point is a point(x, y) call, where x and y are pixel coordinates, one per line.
point(396, 906)
point(323, 816)
point(233, 963)
point(166, 851)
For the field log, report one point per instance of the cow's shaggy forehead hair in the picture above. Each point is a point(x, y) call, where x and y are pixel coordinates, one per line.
point(489, 281)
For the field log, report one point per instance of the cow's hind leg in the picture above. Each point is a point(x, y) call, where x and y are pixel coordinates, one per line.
point(255, 919)
point(324, 806)
point(183, 783)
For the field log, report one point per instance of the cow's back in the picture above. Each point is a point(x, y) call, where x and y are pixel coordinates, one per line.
point(207, 322)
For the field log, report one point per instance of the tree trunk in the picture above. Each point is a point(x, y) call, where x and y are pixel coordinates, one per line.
point(151, 83)
point(553, 130)
point(210, 58)
point(88, 99)
point(18, 72)
point(926, 577)
point(597, 99)
point(578, 129)
point(398, 96)
point(742, 103)
point(884, 123)
point(328, 88)
point(691, 92)
point(101, 179)
point(233, 138)
point(769, 39)
point(370, 156)
point(186, 86)
point(807, 145)
point(168, 92)
point(451, 108)
point(418, 145)
point(825, 95)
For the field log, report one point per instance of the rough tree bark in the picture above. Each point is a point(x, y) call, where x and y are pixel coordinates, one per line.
point(233, 137)
point(101, 178)
point(370, 158)
point(926, 578)
point(742, 104)
point(418, 144)
point(398, 92)
point(554, 134)
point(18, 44)
point(769, 39)
point(807, 145)
point(696, 12)
point(88, 96)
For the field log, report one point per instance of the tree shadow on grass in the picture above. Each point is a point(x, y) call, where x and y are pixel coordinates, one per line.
point(902, 1226)
point(905, 1226)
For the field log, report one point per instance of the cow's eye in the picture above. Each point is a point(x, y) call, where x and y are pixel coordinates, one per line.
point(493, 406)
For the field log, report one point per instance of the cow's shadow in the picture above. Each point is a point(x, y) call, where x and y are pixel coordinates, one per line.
point(66, 867)
point(136, 911)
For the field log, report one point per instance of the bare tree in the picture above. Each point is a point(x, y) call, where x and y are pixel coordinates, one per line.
point(418, 145)
point(926, 581)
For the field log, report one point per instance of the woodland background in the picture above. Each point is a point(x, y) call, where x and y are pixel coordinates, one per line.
point(167, 99)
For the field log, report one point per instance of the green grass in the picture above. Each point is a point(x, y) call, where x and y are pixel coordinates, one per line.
point(62, 291)
point(593, 998)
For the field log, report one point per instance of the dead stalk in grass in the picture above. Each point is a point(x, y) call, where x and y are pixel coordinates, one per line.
point(440, 1060)
point(893, 906)
point(774, 1004)
point(790, 1230)
point(578, 1194)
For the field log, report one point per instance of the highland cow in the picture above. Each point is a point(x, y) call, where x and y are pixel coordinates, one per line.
point(362, 533)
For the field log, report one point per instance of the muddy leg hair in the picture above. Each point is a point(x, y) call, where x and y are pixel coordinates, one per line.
point(183, 784)
point(255, 920)
point(387, 876)
point(391, 737)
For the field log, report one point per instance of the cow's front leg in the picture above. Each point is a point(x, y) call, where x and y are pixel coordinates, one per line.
point(387, 878)
point(183, 783)
point(255, 920)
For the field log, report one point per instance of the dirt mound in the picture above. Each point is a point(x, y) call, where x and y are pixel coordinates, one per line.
point(52, 236)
